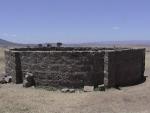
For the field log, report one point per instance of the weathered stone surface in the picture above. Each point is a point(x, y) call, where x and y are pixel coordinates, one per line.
point(13, 66)
point(125, 67)
point(68, 69)
point(88, 88)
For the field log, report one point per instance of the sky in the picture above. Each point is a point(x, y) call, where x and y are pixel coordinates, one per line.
point(74, 21)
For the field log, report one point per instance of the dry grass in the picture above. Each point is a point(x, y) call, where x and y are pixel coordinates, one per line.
point(134, 99)
point(2, 60)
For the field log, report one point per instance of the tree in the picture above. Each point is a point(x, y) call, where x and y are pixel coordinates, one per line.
point(40, 45)
point(59, 44)
point(49, 45)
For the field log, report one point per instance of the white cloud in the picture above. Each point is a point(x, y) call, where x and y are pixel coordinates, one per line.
point(115, 27)
point(13, 35)
point(7, 35)
point(4, 34)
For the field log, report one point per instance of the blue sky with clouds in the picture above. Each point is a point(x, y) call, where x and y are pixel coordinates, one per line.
point(73, 21)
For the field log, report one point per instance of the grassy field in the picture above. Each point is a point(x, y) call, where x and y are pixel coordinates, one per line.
point(134, 99)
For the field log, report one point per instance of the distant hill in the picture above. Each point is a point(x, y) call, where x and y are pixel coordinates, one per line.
point(4, 43)
point(134, 43)
point(7, 44)
point(112, 44)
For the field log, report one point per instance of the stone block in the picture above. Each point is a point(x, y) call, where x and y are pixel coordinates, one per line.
point(88, 88)
point(101, 87)
point(71, 90)
point(65, 90)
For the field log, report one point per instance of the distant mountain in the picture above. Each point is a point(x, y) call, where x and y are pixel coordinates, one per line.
point(116, 43)
point(4, 43)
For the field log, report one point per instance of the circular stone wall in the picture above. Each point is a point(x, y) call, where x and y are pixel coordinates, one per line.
point(76, 67)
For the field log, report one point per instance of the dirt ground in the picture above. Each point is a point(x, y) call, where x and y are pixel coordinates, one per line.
point(133, 99)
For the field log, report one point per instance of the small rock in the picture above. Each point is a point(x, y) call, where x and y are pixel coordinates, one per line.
point(3, 81)
point(71, 90)
point(28, 74)
point(101, 87)
point(64, 90)
point(33, 87)
point(2, 78)
point(28, 80)
point(8, 79)
point(26, 84)
point(88, 88)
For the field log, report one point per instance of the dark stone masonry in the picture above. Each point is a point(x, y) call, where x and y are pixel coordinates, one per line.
point(77, 67)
